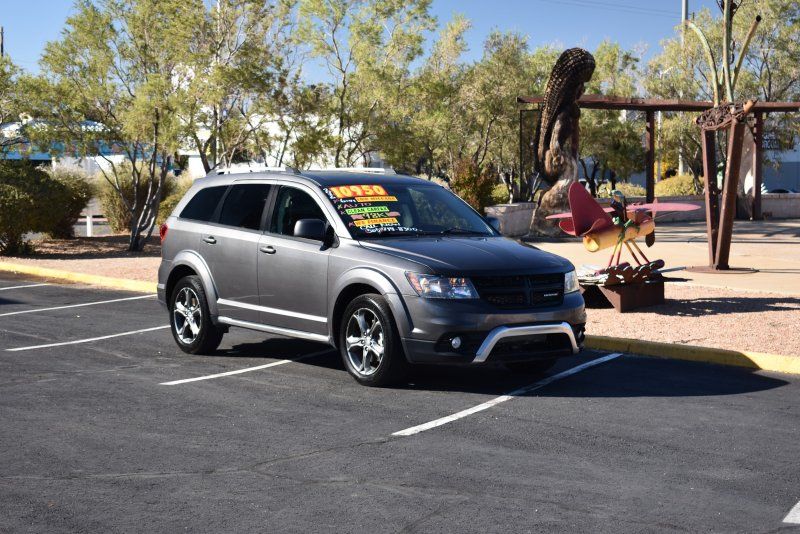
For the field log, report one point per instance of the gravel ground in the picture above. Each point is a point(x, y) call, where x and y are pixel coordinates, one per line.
point(693, 315)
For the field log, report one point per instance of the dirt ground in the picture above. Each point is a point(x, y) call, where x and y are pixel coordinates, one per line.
point(693, 315)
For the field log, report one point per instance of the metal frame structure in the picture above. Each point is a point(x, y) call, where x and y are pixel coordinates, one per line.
point(719, 225)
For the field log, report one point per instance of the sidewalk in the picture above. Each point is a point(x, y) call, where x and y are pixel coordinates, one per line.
point(772, 247)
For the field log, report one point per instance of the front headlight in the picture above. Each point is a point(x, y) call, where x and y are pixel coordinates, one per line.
point(433, 286)
point(571, 284)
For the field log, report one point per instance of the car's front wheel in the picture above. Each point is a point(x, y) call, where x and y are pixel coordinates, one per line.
point(190, 319)
point(370, 344)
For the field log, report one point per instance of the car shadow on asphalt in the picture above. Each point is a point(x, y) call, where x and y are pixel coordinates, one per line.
point(623, 377)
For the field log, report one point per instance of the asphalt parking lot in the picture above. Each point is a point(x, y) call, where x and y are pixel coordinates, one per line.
point(107, 426)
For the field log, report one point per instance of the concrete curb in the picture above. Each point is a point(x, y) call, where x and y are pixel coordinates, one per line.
point(751, 360)
point(123, 284)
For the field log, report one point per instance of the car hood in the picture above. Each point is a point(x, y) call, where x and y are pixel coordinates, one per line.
point(471, 255)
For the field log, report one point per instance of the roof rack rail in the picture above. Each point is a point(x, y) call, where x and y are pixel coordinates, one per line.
point(243, 168)
point(368, 170)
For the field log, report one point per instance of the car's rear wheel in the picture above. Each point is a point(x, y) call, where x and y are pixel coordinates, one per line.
point(532, 367)
point(190, 320)
point(370, 344)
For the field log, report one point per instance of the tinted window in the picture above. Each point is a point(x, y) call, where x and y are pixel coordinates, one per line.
point(291, 206)
point(244, 205)
point(203, 204)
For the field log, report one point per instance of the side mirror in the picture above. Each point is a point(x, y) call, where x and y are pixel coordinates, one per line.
point(494, 222)
point(310, 229)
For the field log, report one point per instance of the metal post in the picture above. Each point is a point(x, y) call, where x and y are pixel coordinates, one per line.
point(650, 140)
point(712, 195)
point(758, 165)
point(728, 213)
point(89, 224)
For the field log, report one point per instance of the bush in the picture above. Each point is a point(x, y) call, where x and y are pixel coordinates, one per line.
point(119, 218)
point(32, 201)
point(629, 190)
point(473, 184)
point(17, 211)
point(77, 193)
point(683, 184)
point(169, 203)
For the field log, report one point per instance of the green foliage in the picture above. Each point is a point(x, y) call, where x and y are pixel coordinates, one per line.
point(76, 194)
point(683, 184)
point(36, 201)
point(179, 189)
point(117, 200)
point(17, 212)
point(629, 190)
point(473, 184)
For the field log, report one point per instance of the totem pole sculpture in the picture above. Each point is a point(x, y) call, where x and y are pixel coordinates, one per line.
point(555, 161)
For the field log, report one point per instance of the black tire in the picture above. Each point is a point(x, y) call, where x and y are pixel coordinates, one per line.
point(208, 336)
point(532, 367)
point(392, 367)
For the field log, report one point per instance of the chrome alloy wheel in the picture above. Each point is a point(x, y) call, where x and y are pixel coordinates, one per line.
point(364, 339)
point(187, 315)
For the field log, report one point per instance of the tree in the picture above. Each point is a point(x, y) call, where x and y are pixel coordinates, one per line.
point(367, 47)
point(241, 63)
point(117, 78)
point(9, 102)
point(611, 145)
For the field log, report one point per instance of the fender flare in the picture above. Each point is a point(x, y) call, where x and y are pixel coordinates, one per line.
point(377, 279)
point(192, 259)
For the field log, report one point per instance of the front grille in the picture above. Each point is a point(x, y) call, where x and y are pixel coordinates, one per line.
point(521, 291)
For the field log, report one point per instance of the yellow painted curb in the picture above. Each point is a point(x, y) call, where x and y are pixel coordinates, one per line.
point(85, 278)
point(752, 360)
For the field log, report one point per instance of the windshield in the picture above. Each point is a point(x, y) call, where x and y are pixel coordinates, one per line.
point(375, 211)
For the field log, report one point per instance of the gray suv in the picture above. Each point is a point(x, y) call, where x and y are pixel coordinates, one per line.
point(391, 270)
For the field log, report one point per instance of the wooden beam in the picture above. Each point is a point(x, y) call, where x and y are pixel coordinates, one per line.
point(654, 104)
point(758, 164)
point(650, 157)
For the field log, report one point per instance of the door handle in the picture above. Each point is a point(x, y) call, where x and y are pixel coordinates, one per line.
point(211, 240)
point(267, 249)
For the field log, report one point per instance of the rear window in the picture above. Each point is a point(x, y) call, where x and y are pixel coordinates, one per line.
point(244, 205)
point(203, 204)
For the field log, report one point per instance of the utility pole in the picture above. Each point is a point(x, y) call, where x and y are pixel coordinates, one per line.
point(2, 42)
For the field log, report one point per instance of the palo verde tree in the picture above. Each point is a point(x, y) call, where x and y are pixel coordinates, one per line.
point(115, 79)
point(9, 101)
point(366, 47)
point(241, 65)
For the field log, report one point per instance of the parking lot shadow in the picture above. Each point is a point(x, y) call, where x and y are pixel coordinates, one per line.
point(722, 306)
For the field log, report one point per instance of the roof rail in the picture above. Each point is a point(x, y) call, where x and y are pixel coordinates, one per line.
point(243, 168)
point(367, 170)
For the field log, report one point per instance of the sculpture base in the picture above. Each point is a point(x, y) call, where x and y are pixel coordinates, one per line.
point(624, 297)
point(730, 270)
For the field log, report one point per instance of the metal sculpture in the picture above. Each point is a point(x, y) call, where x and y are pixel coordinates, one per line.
point(555, 163)
point(589, 220)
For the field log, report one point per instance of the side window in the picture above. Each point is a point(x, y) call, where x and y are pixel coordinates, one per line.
point(203, 204)
point(291, 206)
point(244, 205)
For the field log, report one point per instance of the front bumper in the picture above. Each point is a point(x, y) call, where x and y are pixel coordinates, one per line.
point(489, 334)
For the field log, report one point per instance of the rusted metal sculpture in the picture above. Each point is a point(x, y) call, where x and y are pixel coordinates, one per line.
point(556, 164)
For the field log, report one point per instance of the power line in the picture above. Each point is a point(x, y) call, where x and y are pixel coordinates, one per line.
point(622, 8)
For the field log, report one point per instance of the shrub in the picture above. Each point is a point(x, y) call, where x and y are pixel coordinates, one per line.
point(473, 184)
point(76, 194)
point(17, 211)
point(169, 203)
point(119, 218)
point(683, 184)
point(629, 190)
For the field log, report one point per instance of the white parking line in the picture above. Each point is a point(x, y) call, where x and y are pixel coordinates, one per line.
point(23, 287)
point(37, 310)
point(88, 340)
point(793, 516)
point(245, 370)
point(507, 397)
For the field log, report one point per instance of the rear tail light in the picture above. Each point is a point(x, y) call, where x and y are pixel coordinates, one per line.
point(162, 232)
